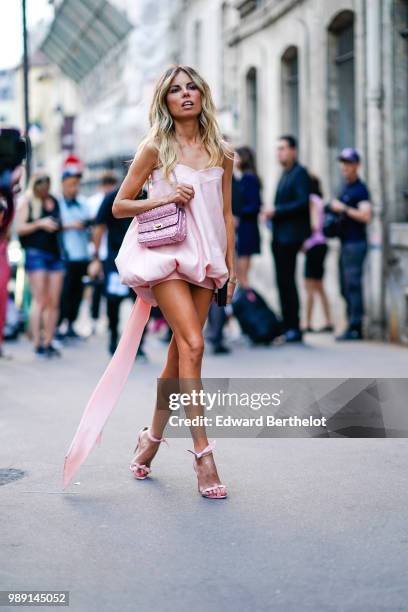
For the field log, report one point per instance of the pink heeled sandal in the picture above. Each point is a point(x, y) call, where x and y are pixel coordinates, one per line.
point(141, 471)
point(208, 492)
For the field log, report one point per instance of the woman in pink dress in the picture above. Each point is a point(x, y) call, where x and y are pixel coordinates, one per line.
point(188, 163)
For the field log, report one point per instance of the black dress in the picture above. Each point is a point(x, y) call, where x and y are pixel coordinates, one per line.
point(247, 234)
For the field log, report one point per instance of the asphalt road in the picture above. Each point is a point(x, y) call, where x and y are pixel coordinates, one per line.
point(309, 525)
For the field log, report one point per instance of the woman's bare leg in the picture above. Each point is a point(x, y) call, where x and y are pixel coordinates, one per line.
point(325, 302)
point(38, 302)
point(309, 284)
point(185, 308)
point(51, 312)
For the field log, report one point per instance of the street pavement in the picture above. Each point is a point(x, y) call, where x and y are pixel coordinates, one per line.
point(309, 525)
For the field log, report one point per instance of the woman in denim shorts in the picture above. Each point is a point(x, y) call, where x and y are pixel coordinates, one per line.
point(39, 230)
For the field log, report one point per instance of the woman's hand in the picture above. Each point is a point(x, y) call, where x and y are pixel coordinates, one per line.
point(232, 283)
point(48, 224)
point(95, 269)
point(337, 206)
point(182, 194)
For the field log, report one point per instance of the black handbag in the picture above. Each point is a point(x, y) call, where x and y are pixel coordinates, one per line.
point(222, 294)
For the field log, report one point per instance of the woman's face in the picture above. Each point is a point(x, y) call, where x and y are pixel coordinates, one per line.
point(237, 161)
point(42, 188)
point(183, 98)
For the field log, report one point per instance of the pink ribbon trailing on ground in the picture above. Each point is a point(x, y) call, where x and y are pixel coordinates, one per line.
point(107, 391)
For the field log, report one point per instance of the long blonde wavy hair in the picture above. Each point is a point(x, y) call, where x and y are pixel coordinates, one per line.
point(30, 195)
point(162, 129)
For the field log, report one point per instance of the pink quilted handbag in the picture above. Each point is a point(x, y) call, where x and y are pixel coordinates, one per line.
point(162, 225)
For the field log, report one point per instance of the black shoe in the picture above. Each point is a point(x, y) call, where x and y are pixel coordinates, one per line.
point(52, 351)
point(293, 335)
point(328, 329)
point(221, 349)
point(71, 334)
point(350, 334)
point(40, 351)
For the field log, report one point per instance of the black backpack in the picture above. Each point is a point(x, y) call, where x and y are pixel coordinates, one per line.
point(255, 317)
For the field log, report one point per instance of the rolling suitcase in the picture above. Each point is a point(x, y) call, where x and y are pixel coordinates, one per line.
point(254, 316)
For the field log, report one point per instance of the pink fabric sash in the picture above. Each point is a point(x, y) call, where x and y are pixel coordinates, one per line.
point(107, 391)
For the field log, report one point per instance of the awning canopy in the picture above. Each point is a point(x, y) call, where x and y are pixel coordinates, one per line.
point(81, 34)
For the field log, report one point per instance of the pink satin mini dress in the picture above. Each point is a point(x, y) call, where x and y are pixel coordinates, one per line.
point(200, 258)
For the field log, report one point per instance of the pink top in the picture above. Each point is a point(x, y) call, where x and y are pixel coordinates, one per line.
point(200, 258)
point(317, 236)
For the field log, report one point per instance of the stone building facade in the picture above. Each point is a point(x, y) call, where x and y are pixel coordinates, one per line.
point(335, 74)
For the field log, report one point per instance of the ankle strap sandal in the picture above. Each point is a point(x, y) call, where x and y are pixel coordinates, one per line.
point(218, 491)
point(141, 471)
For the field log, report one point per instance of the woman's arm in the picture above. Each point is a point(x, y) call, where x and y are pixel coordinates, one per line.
point(314, 215)
point(228, 218)
point(23, 228)
point(140, 169)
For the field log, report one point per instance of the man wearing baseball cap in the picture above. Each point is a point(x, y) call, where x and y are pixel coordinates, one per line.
point(354, 205)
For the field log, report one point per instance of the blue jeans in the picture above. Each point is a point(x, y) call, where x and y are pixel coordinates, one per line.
point(216, 322)
point(37, 259)
point(352, 258)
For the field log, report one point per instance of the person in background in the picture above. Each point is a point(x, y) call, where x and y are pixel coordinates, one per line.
point(315, 249)
point(354, 205)
point(6, 216)
point(39, 231)
point(115, 292)
point(76, 219)
point(107, 184)
point(248, 240)
point(291, 227)
point(217, 317)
